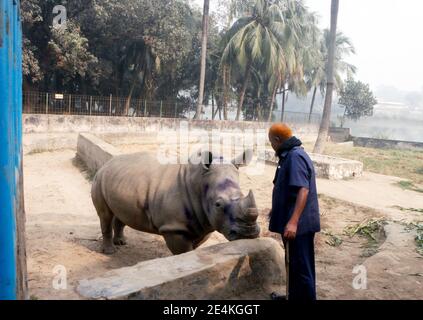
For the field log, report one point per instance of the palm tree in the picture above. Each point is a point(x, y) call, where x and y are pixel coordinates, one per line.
point(324, 126)
point(315, 72)
point(300, 31)
point(203, 60)
point(274, 40)
point(316, 75)
point(255, 41)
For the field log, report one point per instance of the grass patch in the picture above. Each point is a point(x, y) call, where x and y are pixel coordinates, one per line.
point(36, 151)
point(408, 209)
point(408, 185)
point(406, 164)
point(372, 230)
point(418, 226)
point(419, 239)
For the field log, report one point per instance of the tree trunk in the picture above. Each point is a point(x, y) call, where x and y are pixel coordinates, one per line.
point(216, 111)
point(203, 60)
point(128, 99)
point(243, 90)
point(213, 113)
point(225, 92)
point(312, 104)
point(324, 125)
point(272, 103)
point(283, 104)
point(259, 115)
point(343, 117)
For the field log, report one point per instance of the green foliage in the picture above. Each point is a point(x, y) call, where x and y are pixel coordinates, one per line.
point(266, 49)
point(372, 230)
point(357, 99)
point(104, 47)
point(419, 238)
point(332, 240)
point(366, 228)
point(418, 227)
point(408, 209)
point(316, 69)
point(409, 185)
point(151, 49)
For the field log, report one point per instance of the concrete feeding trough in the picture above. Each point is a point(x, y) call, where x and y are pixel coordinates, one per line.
point(326, 167)
point(249, 269)
point(94, 152)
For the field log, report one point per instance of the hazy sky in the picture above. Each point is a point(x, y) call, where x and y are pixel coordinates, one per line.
point(387, 35)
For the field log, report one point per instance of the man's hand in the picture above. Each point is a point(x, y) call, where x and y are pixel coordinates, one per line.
point(290, 230)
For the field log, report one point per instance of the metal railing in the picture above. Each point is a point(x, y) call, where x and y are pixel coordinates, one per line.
point(75, 104)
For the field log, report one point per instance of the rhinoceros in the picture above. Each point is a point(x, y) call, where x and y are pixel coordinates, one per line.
point(184, 203)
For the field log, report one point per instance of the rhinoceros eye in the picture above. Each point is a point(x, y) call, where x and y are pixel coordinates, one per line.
point(219, 203)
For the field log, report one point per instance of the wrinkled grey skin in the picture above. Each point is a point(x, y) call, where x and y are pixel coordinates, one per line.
point(182, 202)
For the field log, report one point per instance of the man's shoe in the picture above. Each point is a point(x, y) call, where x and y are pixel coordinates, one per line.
point(277, 296)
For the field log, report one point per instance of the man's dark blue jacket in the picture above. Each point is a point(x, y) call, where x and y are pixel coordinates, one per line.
point(295, 170)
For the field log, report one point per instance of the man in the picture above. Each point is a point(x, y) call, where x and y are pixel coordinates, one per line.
point(295, 212)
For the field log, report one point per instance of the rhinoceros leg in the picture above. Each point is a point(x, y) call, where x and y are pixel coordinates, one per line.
point(118, 237)
point(106, 220)
point(178, 243)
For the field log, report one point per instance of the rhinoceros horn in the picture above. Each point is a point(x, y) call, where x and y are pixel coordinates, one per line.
point(249, 208)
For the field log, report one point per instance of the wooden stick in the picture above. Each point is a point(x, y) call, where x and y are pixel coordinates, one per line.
point(287, 269)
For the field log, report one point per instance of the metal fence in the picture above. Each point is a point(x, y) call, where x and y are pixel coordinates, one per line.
point(74, 104)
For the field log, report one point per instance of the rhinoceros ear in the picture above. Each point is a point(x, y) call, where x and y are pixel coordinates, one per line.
point(243, 159)
point(206, 159)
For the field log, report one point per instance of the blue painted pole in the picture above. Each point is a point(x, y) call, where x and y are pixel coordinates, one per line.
point(10, 144)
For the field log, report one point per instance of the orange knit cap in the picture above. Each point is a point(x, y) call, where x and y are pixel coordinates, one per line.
point(280, 130)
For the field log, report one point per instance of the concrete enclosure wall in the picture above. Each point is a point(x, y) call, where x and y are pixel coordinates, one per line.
point(41, 123)
point(339, 134)
point(386, 144)
point(94, 152)
point(54, 132)
point(42, 142)
point(326, 167)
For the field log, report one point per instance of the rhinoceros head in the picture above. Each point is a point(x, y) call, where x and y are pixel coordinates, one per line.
point(227, 209)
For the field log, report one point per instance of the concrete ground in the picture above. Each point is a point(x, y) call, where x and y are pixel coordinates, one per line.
point(376, 191)
point(63, 229)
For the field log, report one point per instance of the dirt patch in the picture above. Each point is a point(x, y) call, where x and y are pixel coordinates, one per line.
point(63, 229)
